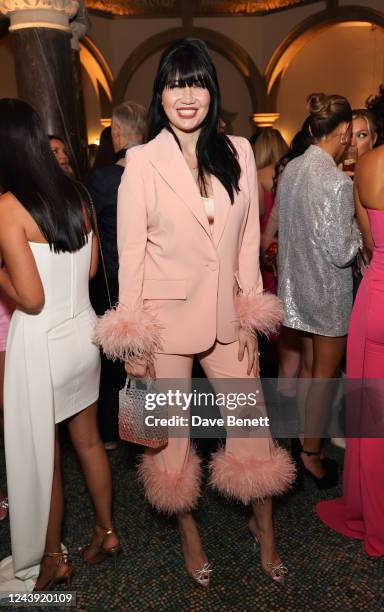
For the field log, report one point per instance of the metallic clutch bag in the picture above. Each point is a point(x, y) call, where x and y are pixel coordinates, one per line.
point(133, 413)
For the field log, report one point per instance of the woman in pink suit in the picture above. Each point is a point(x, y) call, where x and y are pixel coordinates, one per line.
point(359, 513)
point(190, 286)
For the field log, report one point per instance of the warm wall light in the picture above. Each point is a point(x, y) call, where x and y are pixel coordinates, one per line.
point(93, 138)
point(106, 121)
point(265, 119)
point(356, 24)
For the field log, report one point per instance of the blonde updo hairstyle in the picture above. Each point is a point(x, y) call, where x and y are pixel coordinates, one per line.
point(326, 113)
point(269, 148)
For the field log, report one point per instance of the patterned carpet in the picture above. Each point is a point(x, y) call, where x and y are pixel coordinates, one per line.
point(326, 570)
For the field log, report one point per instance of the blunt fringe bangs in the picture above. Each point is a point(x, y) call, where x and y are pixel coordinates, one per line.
point(29, 170)
point(189, 65)
point(186, 63)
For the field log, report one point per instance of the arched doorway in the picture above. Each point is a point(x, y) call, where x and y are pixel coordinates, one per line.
point(305, 31)
point(337, 51)
point(97, 81)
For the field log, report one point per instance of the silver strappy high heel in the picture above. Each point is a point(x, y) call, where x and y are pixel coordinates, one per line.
point(277, 571)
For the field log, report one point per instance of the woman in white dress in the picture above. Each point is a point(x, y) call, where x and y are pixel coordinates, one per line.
point(48, 252)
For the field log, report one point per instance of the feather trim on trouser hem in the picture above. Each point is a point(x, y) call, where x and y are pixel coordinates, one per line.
point(252, 479)
point(261, 312)
point(171, 492)
point(127, 333)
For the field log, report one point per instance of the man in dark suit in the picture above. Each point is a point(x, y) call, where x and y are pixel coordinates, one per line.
point(129, 127)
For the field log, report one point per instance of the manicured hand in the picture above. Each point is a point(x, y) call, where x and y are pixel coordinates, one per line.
point(249, 342)
point(140, 368)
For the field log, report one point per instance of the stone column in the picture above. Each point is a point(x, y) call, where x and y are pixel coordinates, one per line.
point(80, 25)
point(41, 37)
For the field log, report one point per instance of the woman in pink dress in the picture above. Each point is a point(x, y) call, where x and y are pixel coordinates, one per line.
point(269, 148)
point(359, 512)
point(5, 316)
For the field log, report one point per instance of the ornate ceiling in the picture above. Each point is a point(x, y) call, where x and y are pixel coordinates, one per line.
point(176, 8)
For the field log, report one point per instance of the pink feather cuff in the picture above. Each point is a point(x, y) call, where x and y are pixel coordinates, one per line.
point(252, 479)
point(125, 333)
point(262, 312)
point(171, 492)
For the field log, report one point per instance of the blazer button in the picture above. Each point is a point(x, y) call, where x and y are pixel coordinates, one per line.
point(213, 266)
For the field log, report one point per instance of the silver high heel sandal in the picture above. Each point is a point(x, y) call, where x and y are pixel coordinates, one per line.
point(277, 571)
point(203, 575)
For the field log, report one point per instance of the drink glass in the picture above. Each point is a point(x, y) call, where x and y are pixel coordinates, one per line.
point(350, 159)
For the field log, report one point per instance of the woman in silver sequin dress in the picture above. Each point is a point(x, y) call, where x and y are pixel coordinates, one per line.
point(318, 240)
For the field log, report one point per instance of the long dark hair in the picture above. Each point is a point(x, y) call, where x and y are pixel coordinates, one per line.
point(187, 60)
point(29, 170)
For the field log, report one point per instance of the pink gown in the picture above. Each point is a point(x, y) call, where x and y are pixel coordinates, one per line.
point(360, 512)
point(269, 279)
point(6, 310)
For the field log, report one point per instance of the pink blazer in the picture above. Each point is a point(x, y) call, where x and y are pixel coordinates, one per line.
point(182, 287)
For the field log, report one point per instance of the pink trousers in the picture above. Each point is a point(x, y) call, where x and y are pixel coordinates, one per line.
point(247, 468)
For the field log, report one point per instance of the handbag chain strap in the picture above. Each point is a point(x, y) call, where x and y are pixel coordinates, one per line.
point(96, 227)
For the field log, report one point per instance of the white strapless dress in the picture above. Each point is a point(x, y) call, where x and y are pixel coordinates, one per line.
point(52, 372)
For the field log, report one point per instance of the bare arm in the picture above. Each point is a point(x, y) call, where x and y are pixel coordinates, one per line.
point(270, 232)
point(261, 196)
point(363, 222)
point(94, 257)
point(19, 277)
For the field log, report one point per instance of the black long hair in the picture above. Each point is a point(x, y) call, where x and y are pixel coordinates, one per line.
point(187, 60)
point(29, 170)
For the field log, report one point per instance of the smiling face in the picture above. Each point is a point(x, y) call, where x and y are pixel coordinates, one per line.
point(361, 136)
point(185, 107)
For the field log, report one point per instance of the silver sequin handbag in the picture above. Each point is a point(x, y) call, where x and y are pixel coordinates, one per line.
point(132, 414)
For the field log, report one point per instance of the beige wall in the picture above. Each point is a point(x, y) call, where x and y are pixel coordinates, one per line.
point(330, 62)
point(117, 38)
point(347, 59)
point(260, 35)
